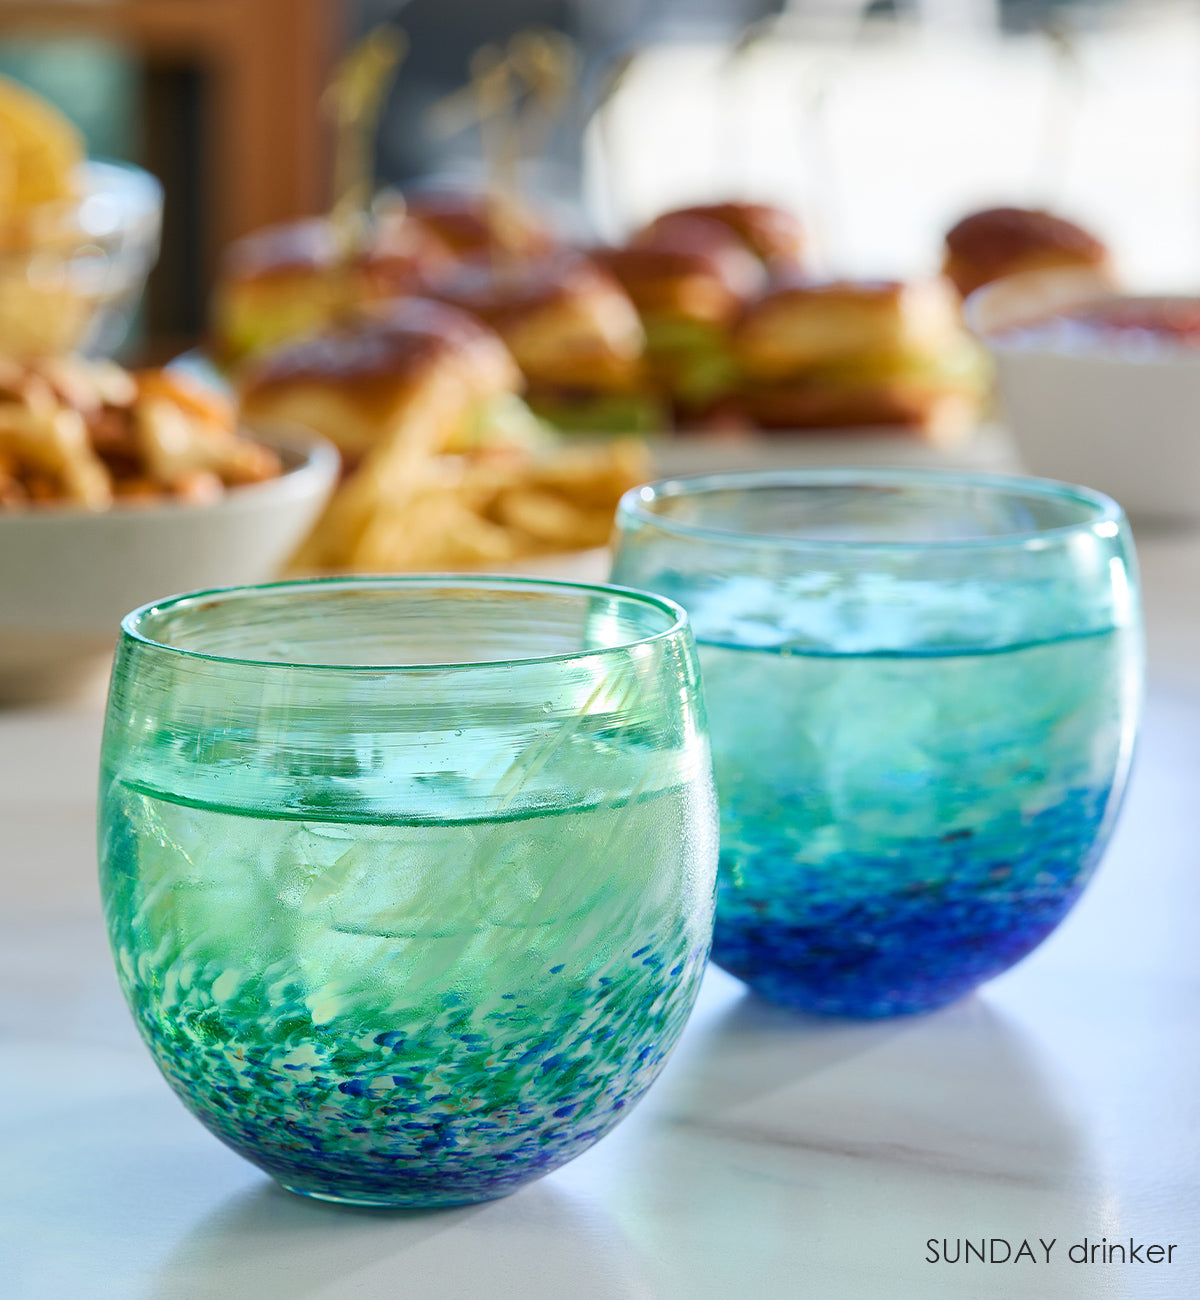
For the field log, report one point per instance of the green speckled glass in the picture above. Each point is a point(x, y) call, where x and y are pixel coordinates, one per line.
point(409, 881)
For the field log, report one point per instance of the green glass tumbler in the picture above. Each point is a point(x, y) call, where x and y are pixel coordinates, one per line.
point(409, 881)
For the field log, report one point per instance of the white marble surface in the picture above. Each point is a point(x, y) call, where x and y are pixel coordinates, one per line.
point(778, 1156)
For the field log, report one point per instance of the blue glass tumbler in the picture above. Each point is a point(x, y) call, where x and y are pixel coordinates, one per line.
point(922, 692)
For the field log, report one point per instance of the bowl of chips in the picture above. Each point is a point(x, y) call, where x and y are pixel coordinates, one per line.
point(78, 237)
point(118, 488)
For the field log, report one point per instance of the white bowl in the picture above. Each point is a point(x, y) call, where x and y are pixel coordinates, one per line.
point(1122, 418)
point(68, 577)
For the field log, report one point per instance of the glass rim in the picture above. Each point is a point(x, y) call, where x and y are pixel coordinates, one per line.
point(636, 504)
point(400, 581)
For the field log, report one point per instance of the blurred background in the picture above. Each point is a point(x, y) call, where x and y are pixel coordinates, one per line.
point(880, 123)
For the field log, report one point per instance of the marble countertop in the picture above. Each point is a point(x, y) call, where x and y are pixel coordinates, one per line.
point(778, 1156)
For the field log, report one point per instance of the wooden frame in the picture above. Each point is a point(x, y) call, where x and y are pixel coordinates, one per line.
point(264, 65)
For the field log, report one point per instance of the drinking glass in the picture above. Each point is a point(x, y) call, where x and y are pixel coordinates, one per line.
point(922, 692)
point(409, 881)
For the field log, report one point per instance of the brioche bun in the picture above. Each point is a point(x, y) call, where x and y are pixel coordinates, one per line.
point(999, 242)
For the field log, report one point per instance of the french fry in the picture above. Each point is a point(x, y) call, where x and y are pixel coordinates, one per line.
point(208, 405)
point(88, 433)
point(596, 475)
point(55, 446)
point(409, 509)
point(434, 530)
point(176, 448)
point(548, 518)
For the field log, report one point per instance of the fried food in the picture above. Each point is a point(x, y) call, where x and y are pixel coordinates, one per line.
point(403, 510)
point(40, 150)
point(43, 305)
point(90, 434)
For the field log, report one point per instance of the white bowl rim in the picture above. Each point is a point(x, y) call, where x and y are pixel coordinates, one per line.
point(1008, 339)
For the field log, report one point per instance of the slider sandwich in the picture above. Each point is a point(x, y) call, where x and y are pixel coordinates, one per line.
point(771, 234)
point(690, 283)
point(574, 332)
point(276, 284)
point(399, 253)
point(491, 223)
point(284, 282)
point(842, 354)
point(999, 242)
point(395, 391)
point(441, 473)
point(405, 365)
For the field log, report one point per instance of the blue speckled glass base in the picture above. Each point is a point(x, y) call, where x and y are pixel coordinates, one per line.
point(897, 829)
point(841, 939)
